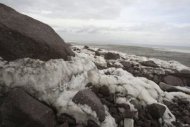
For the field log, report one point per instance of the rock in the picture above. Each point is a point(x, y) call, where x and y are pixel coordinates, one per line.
point(86, 47)
point(149, 63)
point(66, 118)
point(21, 110)
point(97, 53)
point(156, 110)
point(126, 64)
point(64, 125)
point(128, 123)
point(173, 80)
point(91, 123)
point(168, 88)
point(22, 36)
point(104, 90)
point(87, 97)
point(111, 55)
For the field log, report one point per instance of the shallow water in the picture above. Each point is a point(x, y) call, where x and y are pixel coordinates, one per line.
point(161, 53)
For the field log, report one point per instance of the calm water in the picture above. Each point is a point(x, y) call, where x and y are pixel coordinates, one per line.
point(181, 54)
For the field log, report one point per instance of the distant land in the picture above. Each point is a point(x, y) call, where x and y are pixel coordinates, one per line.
point(164, 52)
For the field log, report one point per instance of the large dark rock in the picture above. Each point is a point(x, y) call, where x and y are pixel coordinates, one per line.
point(149, 63)
point(22, 36)
point(156, 110)
point(173, 80)
point(87, 97)
point(65, 118)
point(111, 55)
point(168, 88)
point(21, 110)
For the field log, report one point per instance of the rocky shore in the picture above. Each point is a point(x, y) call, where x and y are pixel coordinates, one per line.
point(45, 82)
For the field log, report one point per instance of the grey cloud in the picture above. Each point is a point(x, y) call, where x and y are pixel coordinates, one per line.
point(71, 8)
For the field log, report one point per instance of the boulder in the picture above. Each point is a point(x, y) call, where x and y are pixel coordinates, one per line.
point(21, 110)
point(91, 123)
point(111, 55)
point(149, 63)
point(65, 118)
point(156, 110)
point(22, 36)
point(173, 80)
point(87, 97)
point(168, 88)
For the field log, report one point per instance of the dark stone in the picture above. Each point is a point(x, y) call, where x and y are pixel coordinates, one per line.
point(97, 53)
point(104, 90)
point(66, 118)
point(89, 98)
point(149, 63)
point(21, 110)
point(156, 110)
point(86, 47)
point(91, 123)
point(111, 55)
point(129, 114)
point(168, 88)
point(22, 36)
point(64, 125)
point(126, 64)
point(173, 80)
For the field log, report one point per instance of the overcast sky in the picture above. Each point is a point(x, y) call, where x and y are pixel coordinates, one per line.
point(165, 22)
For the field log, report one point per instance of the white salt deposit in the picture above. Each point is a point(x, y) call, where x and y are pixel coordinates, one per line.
point(57, 81)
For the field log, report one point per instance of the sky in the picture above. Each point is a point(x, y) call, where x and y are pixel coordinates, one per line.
point(155, 22)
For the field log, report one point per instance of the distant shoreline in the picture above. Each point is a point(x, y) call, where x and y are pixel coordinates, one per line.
point(181, 54)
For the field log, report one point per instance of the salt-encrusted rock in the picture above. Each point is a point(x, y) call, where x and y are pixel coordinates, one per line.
point(128, 122)
point(21, 110)
point(22, 36)
point(87, 97)
point(181, 109)
point(149, 63)
point(156, 110)
point(111, 55)
point(173, 80)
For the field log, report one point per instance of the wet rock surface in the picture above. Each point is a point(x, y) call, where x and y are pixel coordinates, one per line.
point(22, 36)
point(21, 110)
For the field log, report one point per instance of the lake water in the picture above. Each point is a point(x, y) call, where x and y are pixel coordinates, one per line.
point(181, 54)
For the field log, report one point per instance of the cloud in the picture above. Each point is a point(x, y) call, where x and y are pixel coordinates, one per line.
point(123, 21)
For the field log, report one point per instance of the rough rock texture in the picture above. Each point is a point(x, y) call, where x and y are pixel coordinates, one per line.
point(181, 109)
point(87, 97)
point(111, 55)
point(118, 111)
point(173, 80)
point(22, 36)
point(21, 110)
point(149, 63)
point(168, 88)
point(156, 110)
